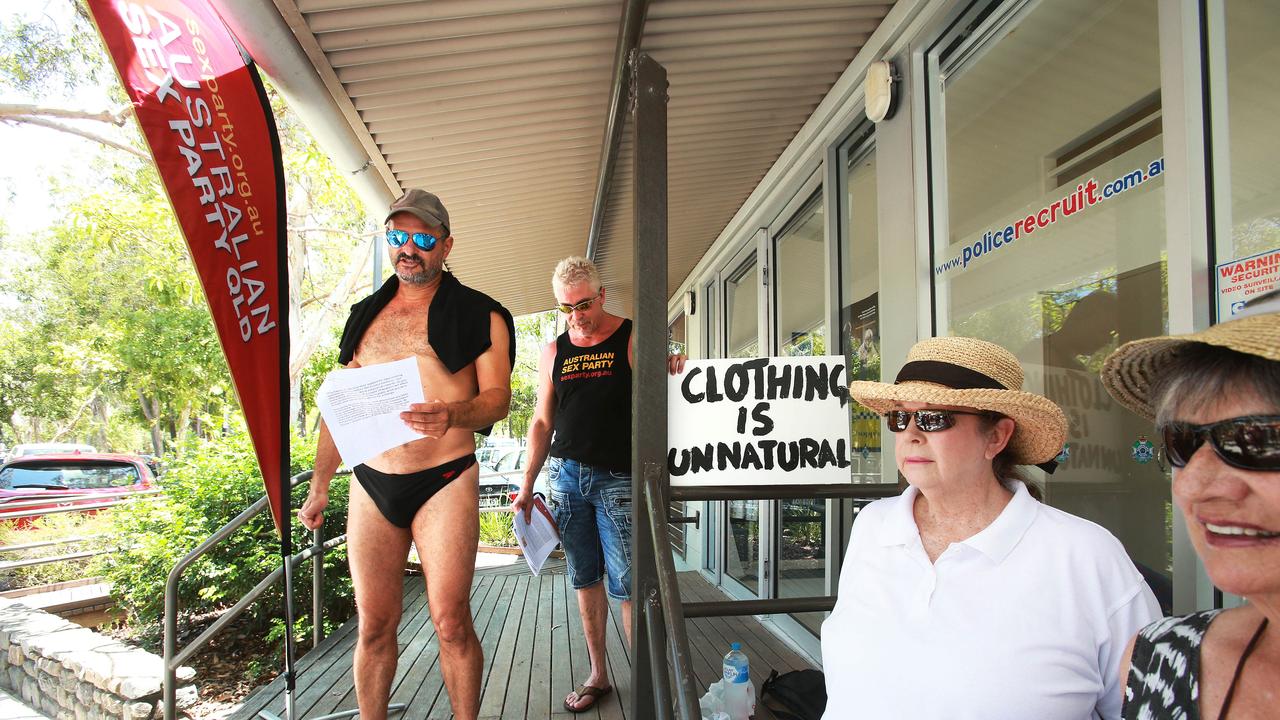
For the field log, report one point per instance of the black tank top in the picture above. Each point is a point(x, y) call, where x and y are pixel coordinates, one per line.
point(593, 401)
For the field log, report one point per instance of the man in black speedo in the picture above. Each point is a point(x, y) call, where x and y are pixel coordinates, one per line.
point(584, 395)
point(424, 491)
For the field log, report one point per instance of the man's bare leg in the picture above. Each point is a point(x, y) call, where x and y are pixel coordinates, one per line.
point(593, 607)
point(447, 531)
point(377, 551)
point(626, 620)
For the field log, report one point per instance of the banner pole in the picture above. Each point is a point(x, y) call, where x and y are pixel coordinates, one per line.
point(286, 487)
point(283, 328)
point(289, 676)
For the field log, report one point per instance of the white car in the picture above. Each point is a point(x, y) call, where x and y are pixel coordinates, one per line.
point(498, 490)
point(25, 449)
point(487, 455)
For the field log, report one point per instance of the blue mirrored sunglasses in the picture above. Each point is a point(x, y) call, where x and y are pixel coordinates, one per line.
point(424, 241)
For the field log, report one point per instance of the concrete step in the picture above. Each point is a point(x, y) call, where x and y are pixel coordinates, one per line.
point(11, 709)
point(68, 600)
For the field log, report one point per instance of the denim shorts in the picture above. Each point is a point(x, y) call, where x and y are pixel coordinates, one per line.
point(592, 507)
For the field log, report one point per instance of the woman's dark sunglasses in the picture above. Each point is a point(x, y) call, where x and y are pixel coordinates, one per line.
point(424, 241)
point(926, 420)
point(1249, 443)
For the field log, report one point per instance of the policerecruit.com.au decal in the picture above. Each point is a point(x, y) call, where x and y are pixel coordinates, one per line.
point(1084, 196)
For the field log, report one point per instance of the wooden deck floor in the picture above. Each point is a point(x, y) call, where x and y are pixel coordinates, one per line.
point(709, 640)
point(534, 653)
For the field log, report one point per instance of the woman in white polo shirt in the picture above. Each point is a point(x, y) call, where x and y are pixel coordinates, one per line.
point(965, 597)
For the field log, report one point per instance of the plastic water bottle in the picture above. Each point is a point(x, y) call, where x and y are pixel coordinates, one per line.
point(740, 694)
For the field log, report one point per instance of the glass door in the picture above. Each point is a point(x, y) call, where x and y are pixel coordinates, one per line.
point(1049, 237)
point(858, 324)
point(743, 559)
point(799, 311)
point(712, 511)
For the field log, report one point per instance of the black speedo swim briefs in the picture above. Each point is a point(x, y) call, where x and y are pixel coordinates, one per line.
point(399, 497)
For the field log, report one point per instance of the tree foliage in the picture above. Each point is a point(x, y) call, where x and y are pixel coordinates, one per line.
point(208, 486)
point(107, 335)
point(532, 333)
point(111, 317)
point(53, 54)
point(47, 53)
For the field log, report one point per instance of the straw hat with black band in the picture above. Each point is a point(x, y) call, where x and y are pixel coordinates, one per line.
point(971, 373)
point(1129, 371)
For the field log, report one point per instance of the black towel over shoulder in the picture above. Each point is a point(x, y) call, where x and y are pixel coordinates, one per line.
point(457, 323)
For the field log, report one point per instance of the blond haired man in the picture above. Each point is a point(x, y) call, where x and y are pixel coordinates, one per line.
point(584, 396)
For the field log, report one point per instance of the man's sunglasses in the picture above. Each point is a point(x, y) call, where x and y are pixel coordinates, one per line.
point(583, 305)
point(926, 420)
point(424, 241)
point(1249, 443)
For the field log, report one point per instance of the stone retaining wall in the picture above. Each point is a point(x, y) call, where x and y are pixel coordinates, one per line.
point(72, 673)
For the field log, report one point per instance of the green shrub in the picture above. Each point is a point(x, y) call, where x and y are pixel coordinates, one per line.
point(496, 529)
point(206, 487)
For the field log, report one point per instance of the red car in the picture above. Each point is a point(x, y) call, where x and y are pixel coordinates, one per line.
point(68, 479)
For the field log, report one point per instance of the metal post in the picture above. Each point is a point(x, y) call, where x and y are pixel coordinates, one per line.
point(782, 492)
point(649, 378)
point(653, 629)
point(317, 589)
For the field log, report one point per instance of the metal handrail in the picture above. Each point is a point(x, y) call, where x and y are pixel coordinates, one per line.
point(33, 502)
point(172, 657)
point(666, 602)
point(18, 515)
point(51, 543)
point(32, 562)
point(665, 613)
point(833, 491)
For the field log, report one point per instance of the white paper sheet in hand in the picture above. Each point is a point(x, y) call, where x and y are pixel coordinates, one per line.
point(538, 537)
point(361, 407)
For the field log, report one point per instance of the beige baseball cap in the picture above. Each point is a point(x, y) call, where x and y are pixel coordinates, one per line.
point(423, 205)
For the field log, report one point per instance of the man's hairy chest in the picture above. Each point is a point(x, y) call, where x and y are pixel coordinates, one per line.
point(395, 333)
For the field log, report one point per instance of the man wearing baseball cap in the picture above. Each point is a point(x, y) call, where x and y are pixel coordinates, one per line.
point(424, 491)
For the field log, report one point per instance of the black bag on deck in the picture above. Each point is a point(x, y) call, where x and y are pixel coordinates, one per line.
point(797, 695)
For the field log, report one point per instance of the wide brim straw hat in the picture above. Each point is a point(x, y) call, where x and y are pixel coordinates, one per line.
point(1129, 372)
point(971, 373)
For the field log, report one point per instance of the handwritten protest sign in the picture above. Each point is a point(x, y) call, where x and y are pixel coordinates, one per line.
point(759, 421)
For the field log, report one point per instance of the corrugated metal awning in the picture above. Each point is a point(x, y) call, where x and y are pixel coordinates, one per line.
point(500, 106)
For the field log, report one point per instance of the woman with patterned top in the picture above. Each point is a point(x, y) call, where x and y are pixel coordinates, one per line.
point(1215, 399)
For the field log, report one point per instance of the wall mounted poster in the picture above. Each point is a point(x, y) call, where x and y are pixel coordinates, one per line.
point(759, 421)
point(860, 323)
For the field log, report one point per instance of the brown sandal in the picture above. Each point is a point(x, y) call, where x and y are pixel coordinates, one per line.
point(590, 691)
